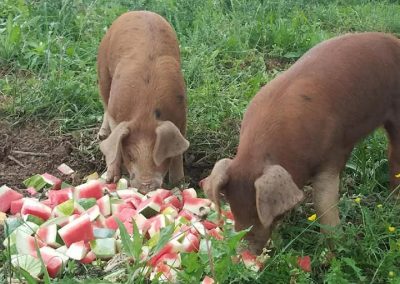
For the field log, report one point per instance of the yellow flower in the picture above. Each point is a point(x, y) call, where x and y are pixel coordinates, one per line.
point(312, 218)
point(391, 229)
point(391, 274)
point(357, 200)
point(397, 175)
point(379, 205)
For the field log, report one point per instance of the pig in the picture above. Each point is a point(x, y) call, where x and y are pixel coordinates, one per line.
point(144, 98)
point(301, 127)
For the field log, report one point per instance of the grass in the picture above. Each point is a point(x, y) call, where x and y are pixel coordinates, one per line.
point(229, 49)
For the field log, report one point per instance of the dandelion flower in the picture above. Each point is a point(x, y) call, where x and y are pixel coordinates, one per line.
point(391, 229)
point(391, 274)
point(357, 200)
point(379, 205)
point(312, 218)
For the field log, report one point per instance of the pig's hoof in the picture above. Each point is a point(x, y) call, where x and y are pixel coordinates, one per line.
point(103, 133)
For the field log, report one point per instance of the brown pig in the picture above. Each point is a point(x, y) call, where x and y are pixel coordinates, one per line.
point(302, 126)
point(144, 98)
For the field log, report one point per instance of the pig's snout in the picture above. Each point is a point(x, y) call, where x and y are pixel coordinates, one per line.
point(146, 186)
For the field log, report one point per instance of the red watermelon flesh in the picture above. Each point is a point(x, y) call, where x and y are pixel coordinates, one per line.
point(89, 258)
point(16, 206)
point(47, 202)
point(304, 262)
point(54, 181)
point(172, 200)
point(34, 207)
point(162, 193)
point(209, 225)
point(187, 215)
point(77, 250)
point(191, 243)
point(31, 190)
point(207, 280)
point(53, 260)
point(188, 193)
point(198, 206)
point(129, 227)
point(104, 204)
point(167, 249)
point(48, 234)
point(7, 195)
point(91, 189)
point(59, 196)
point(125, 215)
point(216, 233)
point(250, 261)
point(111, 186)
point(80, 229)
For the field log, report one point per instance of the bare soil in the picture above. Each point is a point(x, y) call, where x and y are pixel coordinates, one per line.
point(48, 150)
point(78, 149)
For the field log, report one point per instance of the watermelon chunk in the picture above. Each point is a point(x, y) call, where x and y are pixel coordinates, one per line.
point(198, 206)
point(78, 230)
point(162, 193)
point(104, 204)
point(27, 244)
point(122, 183)
point(157, 222)
point(89, 258)
point(49, 235)
point(216, 233)
point(250, 261)
point(103, 233)
point(53, 260)
point(93, 213)
point(207, 280)
point(91, 189)
point(16, 206)
point(125, 215)
point(104, 248)
point(188, 193)
point(150, 207)
point(7, 195)
point(53, 181)
point(163, 273)
point(191, 243)
point(126, 193)
point(65, 169)
point(34, 207)
point(174, 201)
point(77, 250)
point(59, 196)
point(304, 262)
point(87, 203)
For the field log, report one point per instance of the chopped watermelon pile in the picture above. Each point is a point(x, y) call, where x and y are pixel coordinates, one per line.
point(82, 224)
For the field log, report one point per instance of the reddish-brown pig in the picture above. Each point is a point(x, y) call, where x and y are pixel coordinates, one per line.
point(302, 126)
point(144, 99)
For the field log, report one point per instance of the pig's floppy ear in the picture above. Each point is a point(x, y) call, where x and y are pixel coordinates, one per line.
point(276, 193)
point(169, 142)
point(216, 180)
point(112, 147)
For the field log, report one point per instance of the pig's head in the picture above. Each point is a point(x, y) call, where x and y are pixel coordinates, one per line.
point(145, 153)
point(257, 204)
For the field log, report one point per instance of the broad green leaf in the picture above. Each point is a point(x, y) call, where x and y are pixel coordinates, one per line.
point(165, 236)
point(125, 238)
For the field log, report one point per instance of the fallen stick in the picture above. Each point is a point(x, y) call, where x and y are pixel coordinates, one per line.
point(16, 161)
point(30, 153)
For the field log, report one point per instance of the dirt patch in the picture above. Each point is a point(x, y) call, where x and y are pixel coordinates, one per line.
point(35, 148)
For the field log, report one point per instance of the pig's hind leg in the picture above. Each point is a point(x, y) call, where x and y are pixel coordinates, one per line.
point(393, 131)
